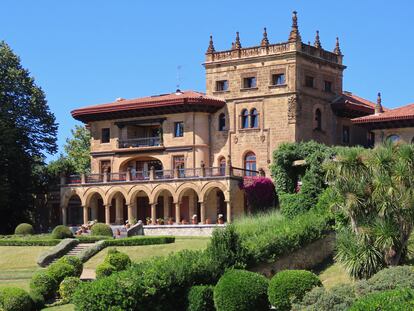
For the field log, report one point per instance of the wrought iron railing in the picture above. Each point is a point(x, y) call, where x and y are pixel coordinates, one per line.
point(139, 142)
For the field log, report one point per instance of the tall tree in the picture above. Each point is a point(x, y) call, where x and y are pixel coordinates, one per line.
point(77, 149)
point(28, 131)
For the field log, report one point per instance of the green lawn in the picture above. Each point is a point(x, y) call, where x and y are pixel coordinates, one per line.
point(68, 307)
point(141, 253)
point(17, 264)
point(334, 274)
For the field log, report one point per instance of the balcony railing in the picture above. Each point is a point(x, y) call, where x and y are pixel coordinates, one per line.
point(139, 142)
point(154, 175)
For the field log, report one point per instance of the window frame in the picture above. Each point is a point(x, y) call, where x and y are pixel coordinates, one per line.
point(274, 79)
point(220, 84)
point(394, 135)
point(247, 82)
point(244, 119)
point(254, 118)
point(222, 122)
point(325, 83)
point(178, 123)
point(307, 77)
point(250, 164)
point(108, 140)
point(222, 165)
point(346, 128)
point(318, 119)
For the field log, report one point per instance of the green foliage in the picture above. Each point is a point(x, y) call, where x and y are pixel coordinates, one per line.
point(225, 248)
point(15, 299)
point(61, 232)
point(24, 229)
point(101, 229)
point(28, 242)
point(120, 261)
point(38, 301)
point(68, 287)
point(61, 270)
point(292, 204)
point(77, 149)
point(200, 298)
point(74, 261)
point(140, 240)
point(56, 252)
point(28, 130)
point(338, 298)
point(90, 251)
point(239, 290)
point(392, 300)
point(290, 286)
point(104, 269)
point(43, 284)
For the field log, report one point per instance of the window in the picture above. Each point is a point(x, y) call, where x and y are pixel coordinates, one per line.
point(222, 122)
point(222, 166)
point(105, 166)
point(222, 85)
point(249, 83)
point(254, 118)
point(278, 79)
point(244, 119)
point(178, 163)
point(371, 139)
point(345, 134)
point(394, 138)
point(250, 164)
point(309, 81)
point(105, 135)
point(178, 129)
point(318, 120)
point(328, 86)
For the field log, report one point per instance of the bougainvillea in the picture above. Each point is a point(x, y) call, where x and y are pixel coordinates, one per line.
point(260, 192)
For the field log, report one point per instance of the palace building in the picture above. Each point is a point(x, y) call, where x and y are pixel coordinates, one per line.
point(173, 156)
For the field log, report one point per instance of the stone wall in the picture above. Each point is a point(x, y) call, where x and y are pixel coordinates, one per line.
point(181, 230)
point(306, 257)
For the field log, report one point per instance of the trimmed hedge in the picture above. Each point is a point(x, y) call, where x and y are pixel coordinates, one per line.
point(61, 232)
point(15, 299)
point(290, 286)
point(59, 250)
point(28, 242)
point(101, 229)
point(24, 229)
point(68, 287)
point(140, 240)
point(398, 299)
point(38, 300)
point(241, 290)
point(200, 298)
point(60, 270)
point(74, 261)
point(120, 261)
point(44, 284)
point(104, 269)
point(90, 238)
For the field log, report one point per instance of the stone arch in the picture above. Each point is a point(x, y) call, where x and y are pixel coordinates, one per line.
point(111, 192)
point(160, 188)
point(135, 190)
point(183, 188)
point(123, 165)
point(212, 185)
point(89, 193)
point(70, 193)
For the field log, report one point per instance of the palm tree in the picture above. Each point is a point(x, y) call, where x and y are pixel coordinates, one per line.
point(377, 191)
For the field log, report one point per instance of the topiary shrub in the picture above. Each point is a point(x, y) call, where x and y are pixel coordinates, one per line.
point(43, 284)
point(104, 269)
point(101, 229)
point(24, 229)
point(74, 261)
point(200, 298)
point(290, 286)
point(38, 302)
point(397, 299)
point(120, 261)
point(68, 287)
point(241, 290)
point(61, 232)
point(15, 299)
point(60, 270)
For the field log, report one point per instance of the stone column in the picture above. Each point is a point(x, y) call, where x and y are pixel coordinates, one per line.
point(118, 210)
point(152, 173)
point(202, 212)
point(154, 213)
point(166, 207)
point(228, 212)
point(107, 214)
point(85, 214)
point(130, 214)
point(177, 213)
point(64, 215)
point(94, 209)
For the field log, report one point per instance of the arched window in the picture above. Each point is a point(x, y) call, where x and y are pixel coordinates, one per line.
point(318, 119)
point(393, 138)
point(250, 164)
point(244, 119)
point(222, 166)
point(222, 122)
point(254, 118)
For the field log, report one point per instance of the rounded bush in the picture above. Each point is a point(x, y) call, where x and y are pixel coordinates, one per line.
point(241, 290)
point(38, 301)
point(290, 286)
point(68, 287)
point(101, 229)
point(60, 270)
point(61, 232)
point(15, 299)
point(120, 261)
point(24, 229)
point(104, 269)
point(43, 283)
point(200, 298)
point(397, 299)
point(75, 262)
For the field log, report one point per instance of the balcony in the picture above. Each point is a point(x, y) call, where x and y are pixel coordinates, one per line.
point(140, 142)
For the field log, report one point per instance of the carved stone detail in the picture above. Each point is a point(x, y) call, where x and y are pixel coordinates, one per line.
point(293, 109)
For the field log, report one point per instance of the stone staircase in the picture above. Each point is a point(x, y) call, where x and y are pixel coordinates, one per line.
point(74, 251)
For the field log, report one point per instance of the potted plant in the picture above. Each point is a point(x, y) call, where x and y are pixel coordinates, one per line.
point(148, 220)
point(160, 221)
point(194, 220)
point(170, 221)
point(208, 221)
point(220, 219)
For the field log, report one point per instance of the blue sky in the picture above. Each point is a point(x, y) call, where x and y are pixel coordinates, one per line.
point(90, 52)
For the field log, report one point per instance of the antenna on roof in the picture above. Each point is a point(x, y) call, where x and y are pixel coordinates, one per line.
point(178, 78)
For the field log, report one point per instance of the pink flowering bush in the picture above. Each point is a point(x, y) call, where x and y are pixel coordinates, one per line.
point(260, 192)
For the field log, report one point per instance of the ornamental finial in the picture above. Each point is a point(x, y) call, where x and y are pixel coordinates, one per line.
point(317, 42)
point(265, 40)
point(211, 46)
point(294, 32)
point(378, 106)
point(237, 44)
point(337, 49)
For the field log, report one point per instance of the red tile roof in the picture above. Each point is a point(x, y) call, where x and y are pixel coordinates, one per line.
point(182, 99)
point(352, 98)
point(401, 113)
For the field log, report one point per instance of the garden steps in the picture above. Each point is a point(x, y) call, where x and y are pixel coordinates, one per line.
point(74, 251)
